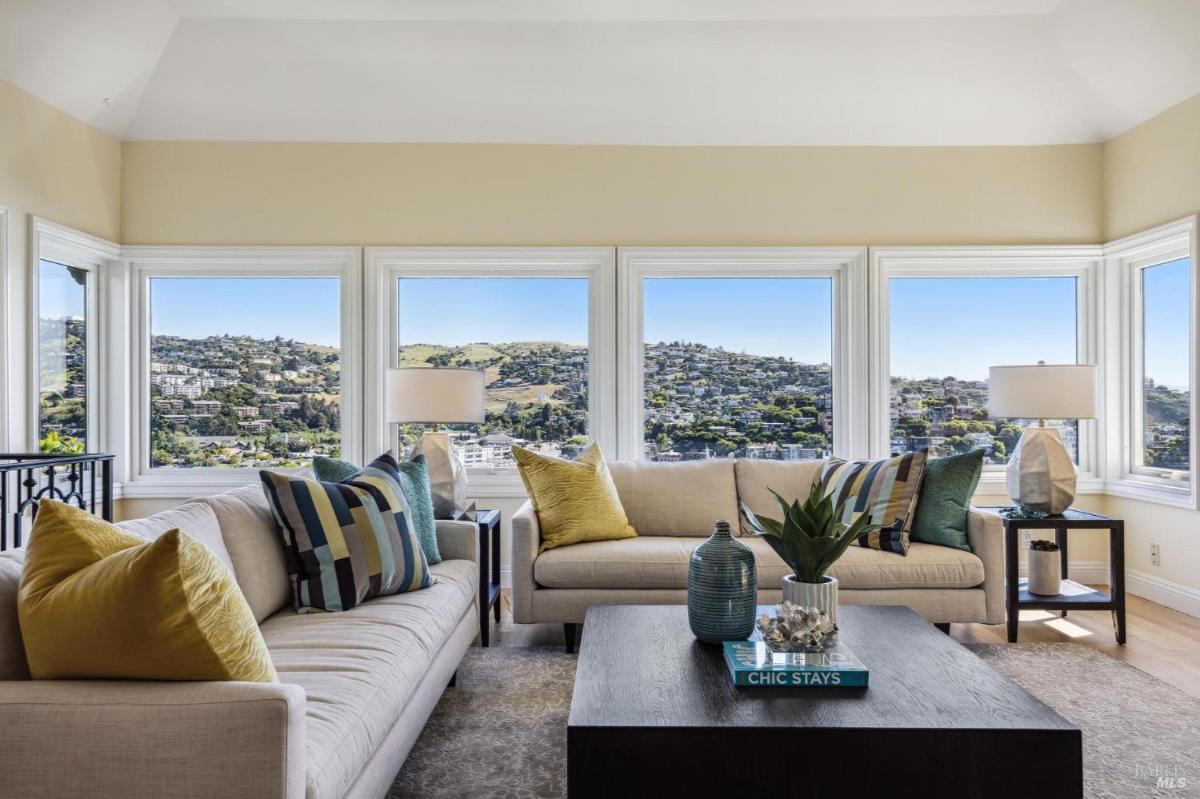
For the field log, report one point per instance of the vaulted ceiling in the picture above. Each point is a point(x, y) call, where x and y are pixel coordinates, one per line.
point(749, 72)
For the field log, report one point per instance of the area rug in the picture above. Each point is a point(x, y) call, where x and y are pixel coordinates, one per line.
point(503, 731)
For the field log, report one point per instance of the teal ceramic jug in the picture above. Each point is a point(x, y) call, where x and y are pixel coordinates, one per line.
point(722, 588)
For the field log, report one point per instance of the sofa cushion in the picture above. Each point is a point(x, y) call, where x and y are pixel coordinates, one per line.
point(255, 548)
point(12, 648)
point(98, 602)
point(360, 667)
point(661, 562)
point(643, 562)
point(685, 498)
point(196, 518)
point(350, 541)
point(756, 478)
point(926, 566)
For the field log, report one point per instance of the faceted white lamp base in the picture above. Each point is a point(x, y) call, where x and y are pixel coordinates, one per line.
point(1041, 475)
point(447, 475)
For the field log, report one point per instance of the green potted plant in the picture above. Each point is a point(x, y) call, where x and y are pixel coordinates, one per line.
point(809, 538)
point(1045, 568)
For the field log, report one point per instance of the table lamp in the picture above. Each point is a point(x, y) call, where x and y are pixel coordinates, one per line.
point(1041, 475)
point(438, 396)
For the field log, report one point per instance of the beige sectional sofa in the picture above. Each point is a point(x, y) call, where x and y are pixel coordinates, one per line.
point(355, 688)
point(673, 506)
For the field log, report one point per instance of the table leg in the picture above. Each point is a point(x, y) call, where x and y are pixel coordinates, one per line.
point(495, 536)
point(1116, 559)
point(1060, 538)
point(1011, 536)
point(485, 572)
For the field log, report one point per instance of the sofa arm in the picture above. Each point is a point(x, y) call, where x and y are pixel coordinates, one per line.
point(458, 540)
point(526, 538)
point(163, 739)
point(985, 534)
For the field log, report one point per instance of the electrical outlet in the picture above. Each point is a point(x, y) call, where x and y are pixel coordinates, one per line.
point(1026, 537)
point(1155, 555)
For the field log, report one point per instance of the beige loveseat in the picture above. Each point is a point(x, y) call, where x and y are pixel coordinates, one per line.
point(355, 688)
point(673, 507)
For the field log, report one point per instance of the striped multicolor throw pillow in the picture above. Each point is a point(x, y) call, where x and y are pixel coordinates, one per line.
point(885, 490)
point(347, 541)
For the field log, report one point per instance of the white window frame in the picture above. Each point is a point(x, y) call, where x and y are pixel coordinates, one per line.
point(1084, 263)
point(386, 265)
point(49, 241)
point(1125, 260)
point(845, 266)
point(6, 334)
point(145, 262)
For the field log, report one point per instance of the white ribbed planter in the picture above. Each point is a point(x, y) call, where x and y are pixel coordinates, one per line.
point(1045, 573)
point(823, 595)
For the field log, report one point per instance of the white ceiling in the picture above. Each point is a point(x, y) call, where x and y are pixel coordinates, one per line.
point(887, 72)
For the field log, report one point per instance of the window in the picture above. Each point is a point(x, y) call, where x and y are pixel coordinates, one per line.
point(1153, 277)
point(941, 316)
point(243, 358)
point(538, 321)
point(530, 337)
point(940, 354)
point(1166, 383)
point(726, 374)
point(64, 386)
point(741, 353)
point(62, 354)
point(244, 371)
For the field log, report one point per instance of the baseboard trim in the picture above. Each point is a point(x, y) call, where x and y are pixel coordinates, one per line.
point(506, 577)
point(1164, 592)
point(1088, 572)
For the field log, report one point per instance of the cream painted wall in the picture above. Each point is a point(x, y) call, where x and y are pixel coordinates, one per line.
point(1152, 175)
point(405, 194)
point(243, 193)
point(1152, 172)
point(56, 167)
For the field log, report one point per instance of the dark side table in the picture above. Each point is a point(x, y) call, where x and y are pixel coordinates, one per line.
point(1076, 596)
point(489, 570)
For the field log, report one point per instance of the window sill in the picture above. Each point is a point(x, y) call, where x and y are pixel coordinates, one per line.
point(993, 483)
point(1175, 493)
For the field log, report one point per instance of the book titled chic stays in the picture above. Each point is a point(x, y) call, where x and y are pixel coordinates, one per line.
point(752, 663)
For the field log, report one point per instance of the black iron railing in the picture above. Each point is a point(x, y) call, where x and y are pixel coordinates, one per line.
point(85, 481)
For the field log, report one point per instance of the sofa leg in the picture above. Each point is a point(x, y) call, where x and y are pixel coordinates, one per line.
point(943, 626)
point(570, 633)
point(453, 680)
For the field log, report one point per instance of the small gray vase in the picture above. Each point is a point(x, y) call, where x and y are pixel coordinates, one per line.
point(722, 588)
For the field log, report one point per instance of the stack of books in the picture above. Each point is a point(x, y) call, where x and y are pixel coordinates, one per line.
point(753, 663)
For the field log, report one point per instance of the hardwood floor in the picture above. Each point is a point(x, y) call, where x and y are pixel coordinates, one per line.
point(1162, 642)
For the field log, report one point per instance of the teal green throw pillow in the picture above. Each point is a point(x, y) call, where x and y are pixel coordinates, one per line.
point(945, 498)
point(414, 482)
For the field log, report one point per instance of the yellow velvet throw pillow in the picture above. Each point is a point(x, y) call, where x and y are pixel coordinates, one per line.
point(96, 602)
point(575, 501)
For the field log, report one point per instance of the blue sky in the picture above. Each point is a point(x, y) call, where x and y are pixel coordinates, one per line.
point(1165, 290)
point(454, 311)
point(306, 309)
point(58, 293)
point(939, 326)
point(943, 327)
point(792, 317)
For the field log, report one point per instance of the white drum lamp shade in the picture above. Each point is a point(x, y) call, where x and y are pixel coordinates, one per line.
point(1041, 391)
point(1041, 475)
point(438, 396)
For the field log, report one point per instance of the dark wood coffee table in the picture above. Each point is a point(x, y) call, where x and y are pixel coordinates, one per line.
point(655, 714)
